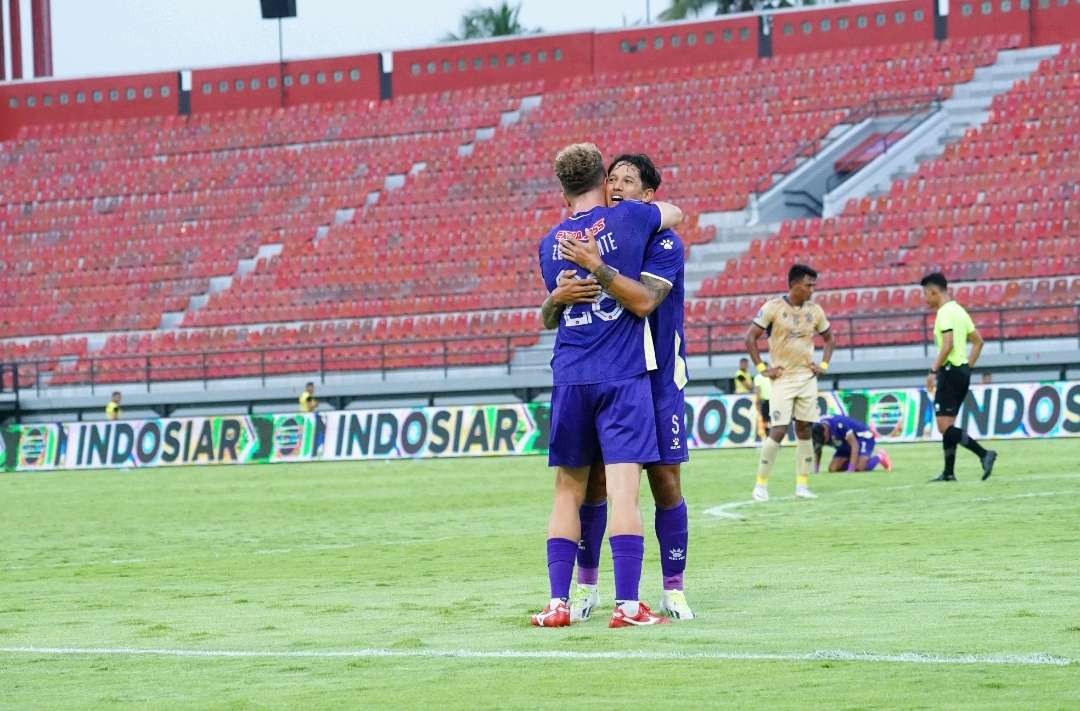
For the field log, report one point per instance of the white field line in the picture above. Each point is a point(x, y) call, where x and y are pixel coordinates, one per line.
point(836, 655)
point(727, 511)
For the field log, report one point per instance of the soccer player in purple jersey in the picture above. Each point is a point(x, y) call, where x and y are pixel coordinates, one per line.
point(601, 400)
point(854, 442)
point(635, 177)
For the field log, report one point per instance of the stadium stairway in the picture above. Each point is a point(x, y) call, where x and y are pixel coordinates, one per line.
point(996, 211)
point(731, 241)
point(966, 109)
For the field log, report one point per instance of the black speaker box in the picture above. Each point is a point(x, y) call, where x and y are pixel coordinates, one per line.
point(273, 9)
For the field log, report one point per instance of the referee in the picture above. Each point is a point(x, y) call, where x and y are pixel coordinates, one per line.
point(112, 408)
point(950, 373)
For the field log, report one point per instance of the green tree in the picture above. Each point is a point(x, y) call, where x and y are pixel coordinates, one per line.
point(683, 9)
point(498, 21)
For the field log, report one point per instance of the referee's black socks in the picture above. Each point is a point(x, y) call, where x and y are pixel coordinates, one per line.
point(954, 436)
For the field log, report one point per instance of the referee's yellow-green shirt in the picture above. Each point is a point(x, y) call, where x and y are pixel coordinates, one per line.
point(953, 317)
point(763, 385)
point(743, 382)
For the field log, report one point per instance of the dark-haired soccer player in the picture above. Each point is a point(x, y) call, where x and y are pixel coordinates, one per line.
point(635, 177)
point(791, 322)
point(601, 401)
point(854, 442)
point(950, 373)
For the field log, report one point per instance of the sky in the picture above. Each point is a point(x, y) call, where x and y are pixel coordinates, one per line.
point(98, 37)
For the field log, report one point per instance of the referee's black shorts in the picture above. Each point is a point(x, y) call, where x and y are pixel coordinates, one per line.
point(764, 405)
point(952, 387)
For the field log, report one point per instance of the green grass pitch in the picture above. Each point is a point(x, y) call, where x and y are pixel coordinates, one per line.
point(976, 583)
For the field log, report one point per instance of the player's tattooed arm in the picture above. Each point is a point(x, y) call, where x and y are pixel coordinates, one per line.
point(639, 297)
point(550, 313)
point(569, 289)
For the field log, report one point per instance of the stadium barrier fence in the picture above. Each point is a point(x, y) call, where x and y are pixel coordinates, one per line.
point(721, 338)
point(1039, 409)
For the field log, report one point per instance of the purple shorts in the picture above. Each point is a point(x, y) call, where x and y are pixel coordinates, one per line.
point(670, 408)
point(866, 448)
point(611, 421)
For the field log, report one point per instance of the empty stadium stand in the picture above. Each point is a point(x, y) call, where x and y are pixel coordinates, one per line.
point(345, 234)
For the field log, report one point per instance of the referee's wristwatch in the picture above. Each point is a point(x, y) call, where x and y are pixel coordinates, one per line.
point(933, 371)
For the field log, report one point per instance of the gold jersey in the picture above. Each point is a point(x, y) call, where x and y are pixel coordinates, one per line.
point(791, 333)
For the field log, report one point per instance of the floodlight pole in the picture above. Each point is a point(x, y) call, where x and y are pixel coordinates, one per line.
point(281, 63)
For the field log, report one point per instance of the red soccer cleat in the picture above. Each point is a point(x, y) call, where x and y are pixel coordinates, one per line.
point(559, 616)
point(886, 463)
point(641, 619)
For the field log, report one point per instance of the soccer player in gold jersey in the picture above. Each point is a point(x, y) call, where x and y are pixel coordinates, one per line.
point(791, 322)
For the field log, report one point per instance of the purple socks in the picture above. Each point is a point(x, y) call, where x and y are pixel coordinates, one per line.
point(672, 531)
point(560, 556)
point(593, 524)
point(626, 554)
point(872, 462)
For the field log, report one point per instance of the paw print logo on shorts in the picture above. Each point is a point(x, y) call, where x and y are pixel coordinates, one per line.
point(667, 244)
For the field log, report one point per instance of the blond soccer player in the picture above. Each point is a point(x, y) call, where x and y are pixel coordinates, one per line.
point(791, 322)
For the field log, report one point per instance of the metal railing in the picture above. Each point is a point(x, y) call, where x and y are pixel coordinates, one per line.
point(890, 329)
point(908, 328)
point(916, 117)
point(317, 360)
point(912, 104)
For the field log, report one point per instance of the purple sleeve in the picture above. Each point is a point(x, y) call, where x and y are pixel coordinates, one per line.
point(547, 267)
point(645, 213)
point(664, 257)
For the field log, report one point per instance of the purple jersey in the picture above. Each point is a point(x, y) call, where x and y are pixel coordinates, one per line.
point(665, 260)
point(840, 425)
point(602, 342)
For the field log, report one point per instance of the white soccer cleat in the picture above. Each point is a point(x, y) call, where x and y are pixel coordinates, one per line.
point(803, 492)
point(583, 602)
point(674, 605)
point(761, 492)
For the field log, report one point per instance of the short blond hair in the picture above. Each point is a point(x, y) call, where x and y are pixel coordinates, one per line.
point(580, 168)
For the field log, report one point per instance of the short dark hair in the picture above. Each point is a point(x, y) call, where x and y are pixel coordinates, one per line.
point(309, 384)
point(935, 279)
point(650, 176)
point(115, 393)
point(798, 271)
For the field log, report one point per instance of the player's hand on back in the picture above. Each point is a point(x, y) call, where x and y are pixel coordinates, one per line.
point(774, 372)
point(572, 289)
point(585, 254)
point(931, 383)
